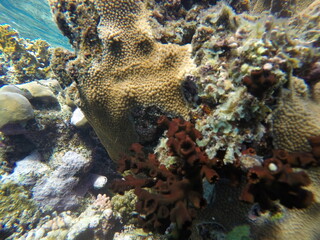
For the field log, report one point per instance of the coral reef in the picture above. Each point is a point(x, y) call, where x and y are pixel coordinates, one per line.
point(22, 60)
point(243, 63)
point(176, 191)
point(92, 223)
point(249, 79)
point(45, 162)
point(18, 213)
point(124, 70)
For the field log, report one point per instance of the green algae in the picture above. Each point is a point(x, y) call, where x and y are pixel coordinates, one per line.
point(17, 212)
point(124, 205)
point(239, 233)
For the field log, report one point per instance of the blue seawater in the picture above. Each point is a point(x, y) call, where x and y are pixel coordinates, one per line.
point(32, 19)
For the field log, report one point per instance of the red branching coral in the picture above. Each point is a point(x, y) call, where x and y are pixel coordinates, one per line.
point(176, 192)
point(259, 82)
point(276, 180)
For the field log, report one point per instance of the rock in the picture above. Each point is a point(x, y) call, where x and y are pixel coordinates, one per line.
point(78, 119)
point(43, 90)
point(14, 89)
point(53, 84)
point(93, 221)
point(57, 190)
point(28, 170)
point(99, 181)
point(14, 109)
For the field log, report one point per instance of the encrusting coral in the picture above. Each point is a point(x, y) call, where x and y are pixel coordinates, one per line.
point(294, 121)
point(126, 71)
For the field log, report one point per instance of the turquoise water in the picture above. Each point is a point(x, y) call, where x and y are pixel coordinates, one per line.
point(32, 19)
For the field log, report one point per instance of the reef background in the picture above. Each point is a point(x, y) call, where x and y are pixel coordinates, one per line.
point(33, 20)
point(245, 81)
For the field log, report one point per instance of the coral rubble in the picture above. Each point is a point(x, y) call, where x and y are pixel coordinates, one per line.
point(92, 223)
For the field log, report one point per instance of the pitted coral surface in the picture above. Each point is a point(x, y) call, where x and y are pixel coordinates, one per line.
point(132, 71)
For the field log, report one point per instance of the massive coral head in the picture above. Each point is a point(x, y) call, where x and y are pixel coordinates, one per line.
point(124, 76)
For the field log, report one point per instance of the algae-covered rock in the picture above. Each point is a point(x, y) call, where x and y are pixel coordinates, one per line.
point(28, 170)
point(124, 205)
point(24, 60)
point(17, 211)
point(14, 108)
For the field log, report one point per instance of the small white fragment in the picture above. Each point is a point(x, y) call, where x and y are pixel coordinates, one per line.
point(39, 234)
point(100, 182)
point(273, 167)
point(267, 67)
point(78, 119)
point(233, 45)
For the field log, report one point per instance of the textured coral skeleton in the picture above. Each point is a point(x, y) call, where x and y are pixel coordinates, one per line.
point(125, 70)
